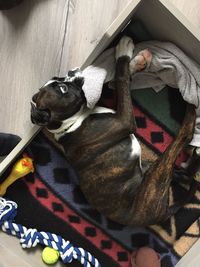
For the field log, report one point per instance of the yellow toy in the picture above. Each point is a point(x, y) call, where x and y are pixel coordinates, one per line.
point(21, 168)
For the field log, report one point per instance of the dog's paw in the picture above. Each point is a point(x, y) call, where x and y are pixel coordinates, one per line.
point(140, 61)
point(125, 47)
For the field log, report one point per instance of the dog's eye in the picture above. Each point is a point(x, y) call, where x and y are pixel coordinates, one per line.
point(63, 87)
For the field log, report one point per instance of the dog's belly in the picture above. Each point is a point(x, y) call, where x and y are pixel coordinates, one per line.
point(110, 182)
point(119, 161)
point(126, 154)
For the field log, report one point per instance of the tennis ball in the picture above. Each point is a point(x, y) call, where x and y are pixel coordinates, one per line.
point(50, 255)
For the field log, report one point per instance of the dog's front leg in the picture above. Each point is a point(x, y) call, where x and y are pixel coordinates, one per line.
point(126, 65)
point(124, 52)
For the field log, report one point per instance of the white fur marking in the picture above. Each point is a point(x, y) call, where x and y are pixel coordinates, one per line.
point(74, 122)
point(66, 124)
point(125, 47)
point(136, 149)
point(49, 82)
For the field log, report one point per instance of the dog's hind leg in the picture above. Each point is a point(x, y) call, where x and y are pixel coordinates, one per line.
point(140, 61)
point(153, 193)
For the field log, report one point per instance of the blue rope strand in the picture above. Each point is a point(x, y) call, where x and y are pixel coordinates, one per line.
point(31, 237)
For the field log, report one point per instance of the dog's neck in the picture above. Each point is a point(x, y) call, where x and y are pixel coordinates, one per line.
point(68, 123)
point(75, 121)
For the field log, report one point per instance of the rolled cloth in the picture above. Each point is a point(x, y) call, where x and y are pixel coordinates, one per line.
point(169, 66)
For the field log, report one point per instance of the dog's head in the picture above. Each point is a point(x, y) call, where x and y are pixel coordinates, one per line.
point(58, 100)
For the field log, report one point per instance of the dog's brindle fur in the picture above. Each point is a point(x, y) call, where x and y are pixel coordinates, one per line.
point(99, 150)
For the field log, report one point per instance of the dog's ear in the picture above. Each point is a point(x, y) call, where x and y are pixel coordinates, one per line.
point(54, 78)
point(76, 77)
point(60, 79)
point(74, 72)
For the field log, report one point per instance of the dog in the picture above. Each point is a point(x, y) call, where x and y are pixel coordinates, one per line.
point(101, 146)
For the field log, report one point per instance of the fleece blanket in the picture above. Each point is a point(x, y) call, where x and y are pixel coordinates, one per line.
point(50, 199)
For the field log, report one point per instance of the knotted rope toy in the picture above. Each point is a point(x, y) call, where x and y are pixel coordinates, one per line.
point(31, 237)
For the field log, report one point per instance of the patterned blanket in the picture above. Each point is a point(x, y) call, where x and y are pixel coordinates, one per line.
point(51, 200)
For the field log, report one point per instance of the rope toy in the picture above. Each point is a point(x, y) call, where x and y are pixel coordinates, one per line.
point(31, 237)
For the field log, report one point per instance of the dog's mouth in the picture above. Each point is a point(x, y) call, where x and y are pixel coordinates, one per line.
point(40, 117)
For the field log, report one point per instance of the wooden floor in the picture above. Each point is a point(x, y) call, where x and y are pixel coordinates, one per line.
point(40, 39)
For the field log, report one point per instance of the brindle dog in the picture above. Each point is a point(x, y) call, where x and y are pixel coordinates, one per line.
point(101, 146)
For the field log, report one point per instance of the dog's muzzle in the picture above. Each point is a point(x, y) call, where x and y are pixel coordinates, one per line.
point(40, 117)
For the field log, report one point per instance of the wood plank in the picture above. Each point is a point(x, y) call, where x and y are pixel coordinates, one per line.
point(190, 9)
point(31, 38)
